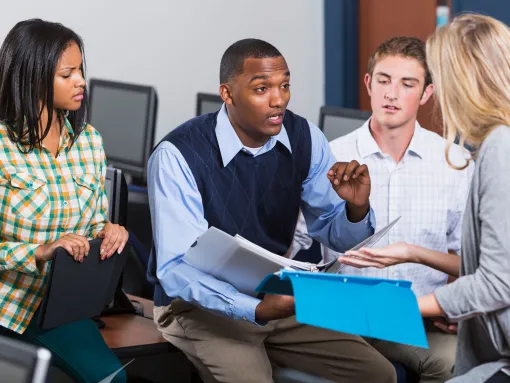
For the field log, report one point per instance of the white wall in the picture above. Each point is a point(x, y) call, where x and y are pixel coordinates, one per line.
point(176, 46)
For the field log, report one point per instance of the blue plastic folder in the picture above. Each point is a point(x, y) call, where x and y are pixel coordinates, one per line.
point(373, 307)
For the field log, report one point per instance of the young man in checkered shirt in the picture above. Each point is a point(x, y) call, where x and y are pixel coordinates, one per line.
point(411, 179)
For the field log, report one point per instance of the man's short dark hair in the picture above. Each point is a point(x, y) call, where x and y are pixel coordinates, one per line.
point(232, 61)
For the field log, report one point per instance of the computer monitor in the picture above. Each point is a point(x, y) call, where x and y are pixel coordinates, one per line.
point(117, 193)
point(208, 103)
point(336, 122)
point(22, 362)
point(125, 115)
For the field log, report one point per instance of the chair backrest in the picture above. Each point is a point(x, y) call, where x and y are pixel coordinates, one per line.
point(117, 193)
point(336, 122)
point(208, 103)
point(23, 363)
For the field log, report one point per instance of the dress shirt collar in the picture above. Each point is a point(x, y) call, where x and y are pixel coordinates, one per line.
point(230, 144)
point(367, 144)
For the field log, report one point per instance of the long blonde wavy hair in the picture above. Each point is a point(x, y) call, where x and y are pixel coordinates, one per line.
point(470, 64)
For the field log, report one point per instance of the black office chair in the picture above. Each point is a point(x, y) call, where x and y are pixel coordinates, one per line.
point(140, 237)
point(285, 375)
point(208, 103)
point(336, 122)
point(21, 362)
point(117, 193)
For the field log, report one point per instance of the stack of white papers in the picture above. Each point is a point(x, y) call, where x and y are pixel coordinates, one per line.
point(244, 265)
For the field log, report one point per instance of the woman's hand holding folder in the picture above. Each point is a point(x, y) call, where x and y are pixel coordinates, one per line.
point(76, 245)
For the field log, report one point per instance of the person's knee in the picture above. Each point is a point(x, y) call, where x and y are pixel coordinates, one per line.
point(437, 369)
point(379, 370)
point(386, 372)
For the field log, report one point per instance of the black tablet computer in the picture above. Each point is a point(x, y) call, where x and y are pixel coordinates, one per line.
point(79, 290)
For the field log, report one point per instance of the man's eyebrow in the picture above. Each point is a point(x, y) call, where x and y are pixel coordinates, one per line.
point(414, 79)
point(266, 77)
point(260, 77)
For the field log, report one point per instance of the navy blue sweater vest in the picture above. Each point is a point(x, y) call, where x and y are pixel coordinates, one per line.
point(255, 197)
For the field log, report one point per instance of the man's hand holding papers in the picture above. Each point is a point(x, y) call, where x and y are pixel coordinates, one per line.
point(274, 307)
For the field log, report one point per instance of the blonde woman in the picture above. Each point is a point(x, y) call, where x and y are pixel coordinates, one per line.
point(470, 64)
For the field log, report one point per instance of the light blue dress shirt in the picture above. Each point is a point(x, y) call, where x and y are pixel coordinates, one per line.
point(178, 218)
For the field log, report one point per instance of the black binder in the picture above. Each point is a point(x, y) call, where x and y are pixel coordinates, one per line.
point(76, 291)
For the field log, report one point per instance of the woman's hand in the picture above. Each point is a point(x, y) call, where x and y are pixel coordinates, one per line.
point(445, 326)
point(76, 245)
point(114, 239)
point(390, 255)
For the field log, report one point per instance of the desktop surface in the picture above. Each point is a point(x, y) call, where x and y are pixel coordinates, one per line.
point(130, 335)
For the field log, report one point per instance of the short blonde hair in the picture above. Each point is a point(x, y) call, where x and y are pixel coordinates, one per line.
point(470, 64)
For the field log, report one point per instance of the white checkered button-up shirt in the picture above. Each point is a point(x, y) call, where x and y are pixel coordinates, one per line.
point(422, 188)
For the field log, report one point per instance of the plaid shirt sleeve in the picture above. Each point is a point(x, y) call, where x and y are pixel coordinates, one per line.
point(17, 256)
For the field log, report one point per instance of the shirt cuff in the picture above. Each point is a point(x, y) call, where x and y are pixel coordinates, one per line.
point(96, 229)
point(367, 221)
point(358, 231)
point(31, 266)
point(243, 308)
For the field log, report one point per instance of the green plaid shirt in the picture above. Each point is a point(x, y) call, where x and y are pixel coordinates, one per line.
point(43, 198)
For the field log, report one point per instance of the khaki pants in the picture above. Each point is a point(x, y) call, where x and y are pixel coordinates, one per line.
point(433, 365)
point(224, 350)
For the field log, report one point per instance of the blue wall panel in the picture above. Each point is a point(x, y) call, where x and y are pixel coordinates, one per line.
point(341, 52)
point(499, 9)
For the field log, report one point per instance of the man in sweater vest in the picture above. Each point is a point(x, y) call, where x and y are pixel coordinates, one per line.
point(247, 170)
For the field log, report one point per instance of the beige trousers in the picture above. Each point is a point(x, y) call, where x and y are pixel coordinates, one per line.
point(433, 365)
point(224, 350)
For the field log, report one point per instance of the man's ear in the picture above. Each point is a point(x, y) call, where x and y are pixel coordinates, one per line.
point(226, 94)
point(427, 93)
point(368, 83)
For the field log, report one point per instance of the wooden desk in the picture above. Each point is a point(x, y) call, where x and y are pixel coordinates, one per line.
point(130, 335)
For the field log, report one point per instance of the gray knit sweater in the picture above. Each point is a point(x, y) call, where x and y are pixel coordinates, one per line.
point(480, 299)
